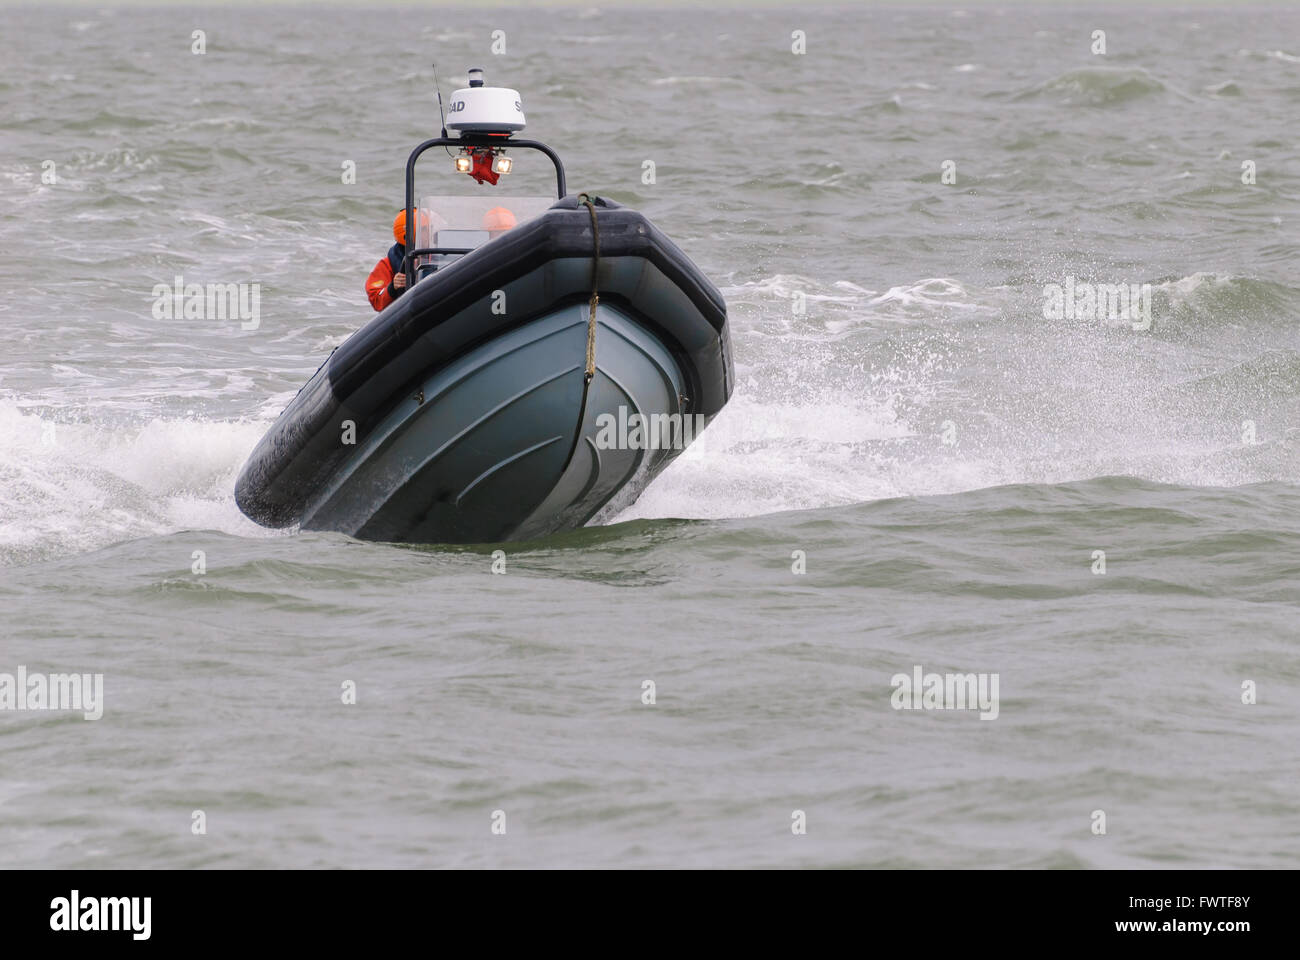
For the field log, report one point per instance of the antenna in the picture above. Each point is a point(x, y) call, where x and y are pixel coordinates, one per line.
point(441, 116)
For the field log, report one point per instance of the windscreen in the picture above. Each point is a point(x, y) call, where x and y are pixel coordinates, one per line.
point(466, 222)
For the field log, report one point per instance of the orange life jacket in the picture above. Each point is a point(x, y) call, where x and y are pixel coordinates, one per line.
point(379, 284)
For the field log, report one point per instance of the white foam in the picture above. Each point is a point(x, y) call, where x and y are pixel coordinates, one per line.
point(841, 405)
point(69, 486)
point(815, 422)
point(674, 81)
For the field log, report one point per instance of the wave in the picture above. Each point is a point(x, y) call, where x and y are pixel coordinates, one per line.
point(112, 120)
point(1226, 89)
point(1205, 305)
point(676, 81)
point(846, 392)
point(1281, 55)
point(871, 395)
point(1097, 87)
point(70, 486)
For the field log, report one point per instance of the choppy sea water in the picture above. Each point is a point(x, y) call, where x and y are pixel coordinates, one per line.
point(943, 460)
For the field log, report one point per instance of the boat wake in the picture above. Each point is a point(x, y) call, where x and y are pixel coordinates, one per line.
point(921, 388)
point(70, 485)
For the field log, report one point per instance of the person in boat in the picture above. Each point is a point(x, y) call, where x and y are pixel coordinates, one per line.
point(498, 220)
point(386, 282)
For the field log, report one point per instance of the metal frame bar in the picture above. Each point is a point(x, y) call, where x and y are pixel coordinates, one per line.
point(469, 140)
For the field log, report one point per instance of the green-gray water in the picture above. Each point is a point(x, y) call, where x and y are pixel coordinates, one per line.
point(945, 459)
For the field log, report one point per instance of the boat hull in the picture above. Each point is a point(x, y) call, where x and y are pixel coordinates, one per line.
point(462, 413)
point(509, 442)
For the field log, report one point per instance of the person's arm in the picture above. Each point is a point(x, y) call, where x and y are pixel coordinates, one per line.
point(396, 286)
point(378, 283)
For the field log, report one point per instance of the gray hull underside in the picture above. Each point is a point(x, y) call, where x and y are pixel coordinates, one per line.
point(506, 443)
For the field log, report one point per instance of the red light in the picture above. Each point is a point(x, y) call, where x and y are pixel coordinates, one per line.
point(482, 170)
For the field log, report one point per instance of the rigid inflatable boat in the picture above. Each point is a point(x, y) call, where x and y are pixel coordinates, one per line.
point(532, 378)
